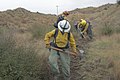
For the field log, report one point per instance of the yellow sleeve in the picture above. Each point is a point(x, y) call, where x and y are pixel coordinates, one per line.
point(72, 43)
point(86, 27)
point(48, 36)
point(78, 26)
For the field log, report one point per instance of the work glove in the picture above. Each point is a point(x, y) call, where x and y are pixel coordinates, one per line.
point(48, 46)
point(81, 32)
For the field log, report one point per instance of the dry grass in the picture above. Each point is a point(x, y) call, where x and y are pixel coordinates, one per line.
point(21, 57)
point(108, 49)
point(38, 31)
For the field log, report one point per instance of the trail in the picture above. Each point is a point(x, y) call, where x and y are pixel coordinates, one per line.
point(90, 67)
point(76, 63)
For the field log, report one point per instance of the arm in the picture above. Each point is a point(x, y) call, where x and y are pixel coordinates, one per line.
point(86, 27)
point(72, 43)
point(78, 26)
point(48, 36)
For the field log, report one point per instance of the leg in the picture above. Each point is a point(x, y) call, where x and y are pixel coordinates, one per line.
point(65, 60)
point(53, 60)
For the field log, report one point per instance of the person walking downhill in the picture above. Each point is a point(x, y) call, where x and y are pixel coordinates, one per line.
point(62, 38)
point(85, 26)
point(61, 17)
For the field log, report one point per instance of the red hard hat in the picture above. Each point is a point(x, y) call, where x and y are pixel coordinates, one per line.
point(66, 13)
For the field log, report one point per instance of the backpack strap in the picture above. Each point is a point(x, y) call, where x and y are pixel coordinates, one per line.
point(56, 33)
point(69, 36)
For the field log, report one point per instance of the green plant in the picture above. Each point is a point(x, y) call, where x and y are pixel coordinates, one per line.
point(117, 29)
point(39, 30)
point(20, 62)
point(107, 30)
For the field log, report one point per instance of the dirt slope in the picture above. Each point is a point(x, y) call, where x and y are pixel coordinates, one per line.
point(21, 17)
point(90, 67)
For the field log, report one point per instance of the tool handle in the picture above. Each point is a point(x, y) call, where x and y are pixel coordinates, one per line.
point(82, 35)
point(72, 53)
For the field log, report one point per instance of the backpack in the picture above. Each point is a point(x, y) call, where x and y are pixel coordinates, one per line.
point(75, 25)
point(88, 22)
point(60, 18)
point(53, 43)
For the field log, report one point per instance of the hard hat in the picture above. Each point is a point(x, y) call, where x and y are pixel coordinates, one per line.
point(64, 26)
point(66, 13)
point(82, 22)
point(81, 19)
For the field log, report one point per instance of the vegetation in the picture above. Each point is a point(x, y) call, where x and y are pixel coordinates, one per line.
point(20, 61)
point(107, 30)
point(22, 50)
point(38, 31)
point(107, 49)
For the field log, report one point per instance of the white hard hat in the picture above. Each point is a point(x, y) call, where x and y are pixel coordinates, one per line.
point(64, 26)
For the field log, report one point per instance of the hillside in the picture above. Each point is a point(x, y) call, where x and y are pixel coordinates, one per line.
point(101, 61)
point(23, 55)
point(22, 18)
point(97, 14)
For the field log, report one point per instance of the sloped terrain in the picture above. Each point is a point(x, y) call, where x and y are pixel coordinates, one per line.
point(25, 20)
point(99, 62)
point(27, 48)
point(91, 66)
